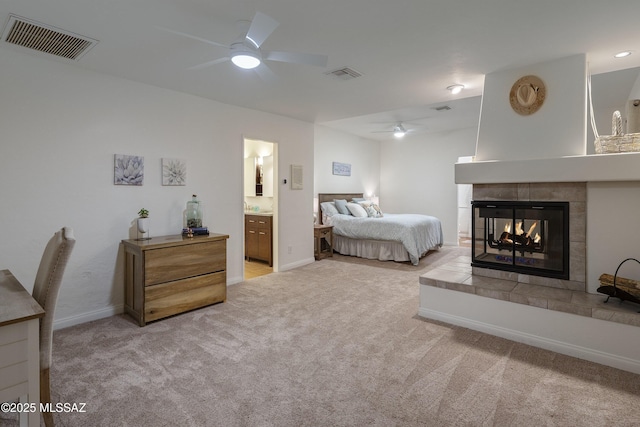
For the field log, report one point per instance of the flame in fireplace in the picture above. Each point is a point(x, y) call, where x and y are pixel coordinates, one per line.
point(520, 237)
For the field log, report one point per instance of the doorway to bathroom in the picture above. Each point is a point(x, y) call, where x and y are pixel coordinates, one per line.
point(260, 199)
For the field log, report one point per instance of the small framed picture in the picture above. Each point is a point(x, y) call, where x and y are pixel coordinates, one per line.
point(128, 170)
point(342, 169)
point(174, 171)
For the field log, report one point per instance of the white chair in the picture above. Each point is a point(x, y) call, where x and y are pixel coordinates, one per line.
point(45, 291)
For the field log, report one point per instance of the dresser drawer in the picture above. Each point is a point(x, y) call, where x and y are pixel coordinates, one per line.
point(171, 298)
point(179, 262)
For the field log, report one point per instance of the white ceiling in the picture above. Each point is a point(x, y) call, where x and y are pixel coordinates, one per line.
point(408, 51)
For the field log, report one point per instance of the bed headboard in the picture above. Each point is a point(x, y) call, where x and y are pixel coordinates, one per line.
point(329, 197)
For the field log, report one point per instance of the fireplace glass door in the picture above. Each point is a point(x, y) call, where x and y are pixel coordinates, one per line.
point(523, 237)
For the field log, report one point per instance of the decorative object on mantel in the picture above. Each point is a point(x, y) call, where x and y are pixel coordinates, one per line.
point(617, 142)
point(527, 95)
point(619, 287)
point(143, 224)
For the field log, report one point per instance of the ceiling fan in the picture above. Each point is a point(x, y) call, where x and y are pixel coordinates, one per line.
point(245, 51)
point(398, 130)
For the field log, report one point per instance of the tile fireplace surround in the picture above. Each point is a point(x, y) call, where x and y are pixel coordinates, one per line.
point(569, 296)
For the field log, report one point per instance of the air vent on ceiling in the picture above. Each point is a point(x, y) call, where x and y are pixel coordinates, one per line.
point(44, 38)
point(345, 73)
point(442, 108)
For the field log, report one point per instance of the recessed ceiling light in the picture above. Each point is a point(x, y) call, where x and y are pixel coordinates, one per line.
point(455, 89)
point(622, 54)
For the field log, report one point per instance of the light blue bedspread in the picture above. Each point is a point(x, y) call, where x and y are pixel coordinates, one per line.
point(417, 233)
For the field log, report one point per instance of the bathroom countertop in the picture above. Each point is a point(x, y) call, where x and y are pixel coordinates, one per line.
point(261, 213)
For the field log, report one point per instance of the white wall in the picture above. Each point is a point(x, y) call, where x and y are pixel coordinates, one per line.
point(362, 154)
point(61, 126)
point(612, 232)
point(418, 175)
point(557, 129)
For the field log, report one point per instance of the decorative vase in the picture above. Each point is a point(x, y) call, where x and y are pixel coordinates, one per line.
point(143, 227)
point(194, 213)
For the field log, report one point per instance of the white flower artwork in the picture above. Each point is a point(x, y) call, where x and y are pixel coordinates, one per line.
point(128, 170)
point(174, 172)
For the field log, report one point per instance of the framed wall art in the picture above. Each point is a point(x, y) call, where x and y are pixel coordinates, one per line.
point(174, 171)
point(342, 169)
point(128, 169)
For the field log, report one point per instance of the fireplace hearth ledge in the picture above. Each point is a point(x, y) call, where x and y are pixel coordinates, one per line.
point(457, 276)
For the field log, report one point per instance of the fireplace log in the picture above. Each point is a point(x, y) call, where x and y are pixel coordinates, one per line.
point(634, 285)
point(624, 289)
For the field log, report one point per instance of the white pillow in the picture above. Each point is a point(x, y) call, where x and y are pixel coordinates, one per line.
point(328, 208)
point(357, 210)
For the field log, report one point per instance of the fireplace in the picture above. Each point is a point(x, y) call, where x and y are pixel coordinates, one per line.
point(523, 237)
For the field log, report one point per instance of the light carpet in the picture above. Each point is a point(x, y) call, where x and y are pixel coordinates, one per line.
point(333, 343)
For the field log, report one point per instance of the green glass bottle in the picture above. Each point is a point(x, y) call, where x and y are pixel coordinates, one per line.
point(194, 213)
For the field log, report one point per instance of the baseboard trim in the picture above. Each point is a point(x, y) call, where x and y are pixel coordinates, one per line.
point(234, 280)
point(88, 317)
point(608, 359)
point(297, 264)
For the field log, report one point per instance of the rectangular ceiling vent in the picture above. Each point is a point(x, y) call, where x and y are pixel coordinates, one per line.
point(442, 108)
point(345, 73)
point(43, 38)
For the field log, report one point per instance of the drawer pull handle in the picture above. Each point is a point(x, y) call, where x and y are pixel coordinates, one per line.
point(261, 232)
point(251, 231)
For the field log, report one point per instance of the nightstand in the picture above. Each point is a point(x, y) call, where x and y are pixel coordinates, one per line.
point(323, 241)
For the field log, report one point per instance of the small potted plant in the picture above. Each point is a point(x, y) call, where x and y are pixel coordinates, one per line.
point(143, 221)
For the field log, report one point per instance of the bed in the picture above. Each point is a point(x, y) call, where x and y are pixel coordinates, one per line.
point(389, 237)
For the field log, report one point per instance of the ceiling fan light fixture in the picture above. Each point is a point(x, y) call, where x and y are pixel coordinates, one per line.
point(399, 131)
point(455, 89)
point(246, 61)
point(244, 56)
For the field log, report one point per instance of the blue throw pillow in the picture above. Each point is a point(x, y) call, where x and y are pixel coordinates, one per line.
point(341, 205)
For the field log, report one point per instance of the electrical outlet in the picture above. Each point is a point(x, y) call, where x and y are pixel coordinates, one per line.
point(289, 249)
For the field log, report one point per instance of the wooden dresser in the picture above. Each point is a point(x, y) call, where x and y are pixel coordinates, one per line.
point(168, 275)
point(258, 238)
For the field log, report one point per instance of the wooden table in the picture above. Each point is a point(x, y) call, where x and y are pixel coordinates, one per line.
point(19, 347)
point(323, 236)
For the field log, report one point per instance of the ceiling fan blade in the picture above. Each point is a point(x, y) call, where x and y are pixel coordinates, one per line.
point(209, 63)
point(261, 27)
point(265, 73)
point(193, 37)
point(298, 58)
